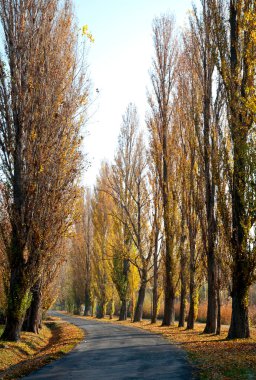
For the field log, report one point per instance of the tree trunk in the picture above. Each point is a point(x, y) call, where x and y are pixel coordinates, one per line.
point(211, 322)
point(239, 327)
point(193, 301)
point(183, 277)
point(93, 307)
point(77, 307)
point(18, 302)
point(219, 312)
point(155, 280)
point(12, 328)
point(140, 301)
point(87, 302)
point(169, 291)
point(123, 310)
point(154, 303)
point(111, 309)
point(243, 270)
point(208, 67)
point(33, 315)
point(182, 303)
point(242, 273)
point(193, 294)
point(169, 312)
point(101, 310)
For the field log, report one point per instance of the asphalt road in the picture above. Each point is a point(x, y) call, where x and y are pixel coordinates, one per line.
point(115, 352)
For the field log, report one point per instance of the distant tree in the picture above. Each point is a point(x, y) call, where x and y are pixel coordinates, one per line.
point(156, 216)
point(163, 81)
point(121, 181)
point(101, 257)
point(88, 238)
point(129, 188)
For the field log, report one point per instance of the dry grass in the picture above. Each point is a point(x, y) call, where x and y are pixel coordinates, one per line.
point(215, 357)
point(33, 351)
point(226, 310)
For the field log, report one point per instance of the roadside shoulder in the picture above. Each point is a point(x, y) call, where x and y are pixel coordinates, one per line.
point(57, 338)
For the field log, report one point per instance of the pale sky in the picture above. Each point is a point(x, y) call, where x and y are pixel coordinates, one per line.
point(119, 62)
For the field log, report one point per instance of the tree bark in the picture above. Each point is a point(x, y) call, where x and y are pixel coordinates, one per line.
point(18, 302)
point(155, 297)
point(33, 315)
point(193, 295)
point(208, 66)
point(122, 286)
point(182, 302)
point(239, 327)
point(123, 310)
point(169, 312)
point(93, 307)
point(140, 301)
point(111, 309)
point(193, 303)
point(211, 321)
point(218, 330)
point(155, 280)
point(77, 307)
point(101, 310)
point(183, 270)
point(154, 304)
point(87, 303)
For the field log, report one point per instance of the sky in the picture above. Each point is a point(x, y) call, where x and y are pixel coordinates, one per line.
point(119, 62)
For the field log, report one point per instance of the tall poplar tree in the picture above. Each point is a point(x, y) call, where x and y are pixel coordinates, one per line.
point(40, 95)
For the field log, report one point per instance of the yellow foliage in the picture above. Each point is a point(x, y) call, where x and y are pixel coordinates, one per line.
point(41, 169)
point(33, 135)
point(86, 33)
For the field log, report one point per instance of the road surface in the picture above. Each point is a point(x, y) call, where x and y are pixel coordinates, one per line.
point(115, 352)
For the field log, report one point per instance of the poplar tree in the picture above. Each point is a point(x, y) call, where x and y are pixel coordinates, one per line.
point(236, 62)
point(160, 101)
point(40, 94)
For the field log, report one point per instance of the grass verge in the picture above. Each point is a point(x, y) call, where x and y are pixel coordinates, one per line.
point(56, 338)
point(215, 357)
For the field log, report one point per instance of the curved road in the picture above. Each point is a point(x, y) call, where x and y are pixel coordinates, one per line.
point(115, 352)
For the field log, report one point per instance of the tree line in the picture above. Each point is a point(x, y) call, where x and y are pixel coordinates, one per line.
point(43, 93)
point(176, 207)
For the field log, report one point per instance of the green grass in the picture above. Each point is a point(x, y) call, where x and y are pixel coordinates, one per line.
point(240, 373)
